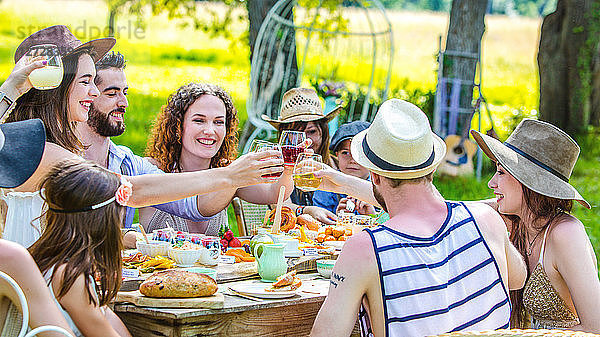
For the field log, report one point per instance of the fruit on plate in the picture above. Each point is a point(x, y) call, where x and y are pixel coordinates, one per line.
point(240, 255)
point(338, 231)
point(178, 283)
point(285, 282)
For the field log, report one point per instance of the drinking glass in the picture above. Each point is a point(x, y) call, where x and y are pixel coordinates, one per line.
point(290, 145)
point(261, 145)
point(306, 166)
point(50, 76)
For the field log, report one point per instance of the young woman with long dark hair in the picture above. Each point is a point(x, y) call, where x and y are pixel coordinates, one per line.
point(81, 246)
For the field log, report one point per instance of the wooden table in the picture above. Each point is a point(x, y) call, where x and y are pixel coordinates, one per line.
point(240, 317)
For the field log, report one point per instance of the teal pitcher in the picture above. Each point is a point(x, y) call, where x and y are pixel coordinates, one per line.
point(271, 262)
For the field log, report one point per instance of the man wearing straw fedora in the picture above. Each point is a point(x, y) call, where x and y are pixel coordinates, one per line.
point(436, 266)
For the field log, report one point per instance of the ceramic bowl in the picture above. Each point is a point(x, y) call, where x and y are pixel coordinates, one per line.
point(324, 267)
point(153, 247)
point(207, 271)
point(185, 257)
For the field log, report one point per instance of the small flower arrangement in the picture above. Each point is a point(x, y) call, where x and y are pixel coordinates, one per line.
point(327, 88)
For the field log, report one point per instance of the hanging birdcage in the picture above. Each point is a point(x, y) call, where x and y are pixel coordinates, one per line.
point(342, 49)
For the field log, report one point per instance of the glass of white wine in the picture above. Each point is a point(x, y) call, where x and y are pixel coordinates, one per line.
point(50, 76)
point(304, 171)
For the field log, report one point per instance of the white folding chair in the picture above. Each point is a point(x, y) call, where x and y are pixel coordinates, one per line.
point(10, 288)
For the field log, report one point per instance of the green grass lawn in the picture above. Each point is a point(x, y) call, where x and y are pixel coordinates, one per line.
point(166, 56)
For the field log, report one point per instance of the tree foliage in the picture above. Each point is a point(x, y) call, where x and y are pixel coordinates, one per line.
point(186, 10)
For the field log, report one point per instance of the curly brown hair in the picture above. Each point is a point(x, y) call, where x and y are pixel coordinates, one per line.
point(165, 143)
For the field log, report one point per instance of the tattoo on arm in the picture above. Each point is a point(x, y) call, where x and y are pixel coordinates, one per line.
point(335, 278)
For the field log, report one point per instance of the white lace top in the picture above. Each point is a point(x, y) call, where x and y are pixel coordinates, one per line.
point(22, 224)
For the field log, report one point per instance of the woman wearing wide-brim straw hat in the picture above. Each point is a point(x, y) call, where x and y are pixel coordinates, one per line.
point(532, 190)
point(301, 110)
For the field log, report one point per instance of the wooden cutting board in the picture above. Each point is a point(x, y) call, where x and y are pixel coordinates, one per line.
point(135, 297)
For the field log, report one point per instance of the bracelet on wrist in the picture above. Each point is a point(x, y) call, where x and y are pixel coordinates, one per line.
point(300, 210)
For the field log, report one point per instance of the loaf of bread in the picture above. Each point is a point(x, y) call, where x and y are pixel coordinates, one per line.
point(178, 284)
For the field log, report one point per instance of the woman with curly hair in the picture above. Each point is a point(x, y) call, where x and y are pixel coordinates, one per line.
point(197, 130)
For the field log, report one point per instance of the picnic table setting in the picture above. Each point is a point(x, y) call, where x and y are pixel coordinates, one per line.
point(274, 282)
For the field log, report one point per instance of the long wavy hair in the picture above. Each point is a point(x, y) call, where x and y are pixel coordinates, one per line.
point(51, 106)
point(540, 207)
point(88, 243)
point(165, 143)
point(323, 149)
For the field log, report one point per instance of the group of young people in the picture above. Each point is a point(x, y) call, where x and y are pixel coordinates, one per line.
point(435, 266)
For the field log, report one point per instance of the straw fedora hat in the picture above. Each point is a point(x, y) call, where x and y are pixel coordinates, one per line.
point(399, 143)
point(66, 42)
point(539, 155)
point(300, 104)
point(21, 148)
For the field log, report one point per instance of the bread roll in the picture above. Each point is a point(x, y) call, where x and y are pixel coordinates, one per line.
point(178, 284)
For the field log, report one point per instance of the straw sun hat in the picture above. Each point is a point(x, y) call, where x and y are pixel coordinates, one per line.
point(399, 143)
point(539, 155)
point(300, 104)
point(66, 42)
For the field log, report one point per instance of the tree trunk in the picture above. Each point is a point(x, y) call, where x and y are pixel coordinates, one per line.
point(274, 62)
point(565, 66)
point(257, 11)
point(465, 30)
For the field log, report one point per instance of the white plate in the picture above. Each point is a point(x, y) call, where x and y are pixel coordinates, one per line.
point(258, 290)
point(335, 244)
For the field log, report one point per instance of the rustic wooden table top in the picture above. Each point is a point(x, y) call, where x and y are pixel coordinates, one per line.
point(313, 290)
point(292, 316)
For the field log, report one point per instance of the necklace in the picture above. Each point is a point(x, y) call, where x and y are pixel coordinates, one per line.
point(532, 242)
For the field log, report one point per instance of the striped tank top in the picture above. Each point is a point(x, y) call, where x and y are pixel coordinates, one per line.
point(447, 282)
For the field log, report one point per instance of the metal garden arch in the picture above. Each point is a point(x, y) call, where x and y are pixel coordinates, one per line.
point(344, 52)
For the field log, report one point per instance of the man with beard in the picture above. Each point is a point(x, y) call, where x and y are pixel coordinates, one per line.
point(436, 266)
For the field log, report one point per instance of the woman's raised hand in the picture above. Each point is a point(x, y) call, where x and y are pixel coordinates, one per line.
point(17, 82)
point(256, 167)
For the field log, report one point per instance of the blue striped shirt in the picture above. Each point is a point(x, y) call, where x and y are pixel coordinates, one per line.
point(447, 282)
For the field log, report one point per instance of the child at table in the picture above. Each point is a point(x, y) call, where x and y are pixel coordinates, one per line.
point(82, 242)
point(340, 146)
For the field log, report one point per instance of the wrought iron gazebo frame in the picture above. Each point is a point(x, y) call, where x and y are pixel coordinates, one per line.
point(261, 100)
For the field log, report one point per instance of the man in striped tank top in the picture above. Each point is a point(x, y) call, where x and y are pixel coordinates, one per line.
point(436, 266)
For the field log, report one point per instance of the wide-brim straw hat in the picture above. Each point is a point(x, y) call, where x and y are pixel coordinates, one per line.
point(66, 42)
point(399, 143)
point(21, 148)
point(301, 105)
point(539, 155)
